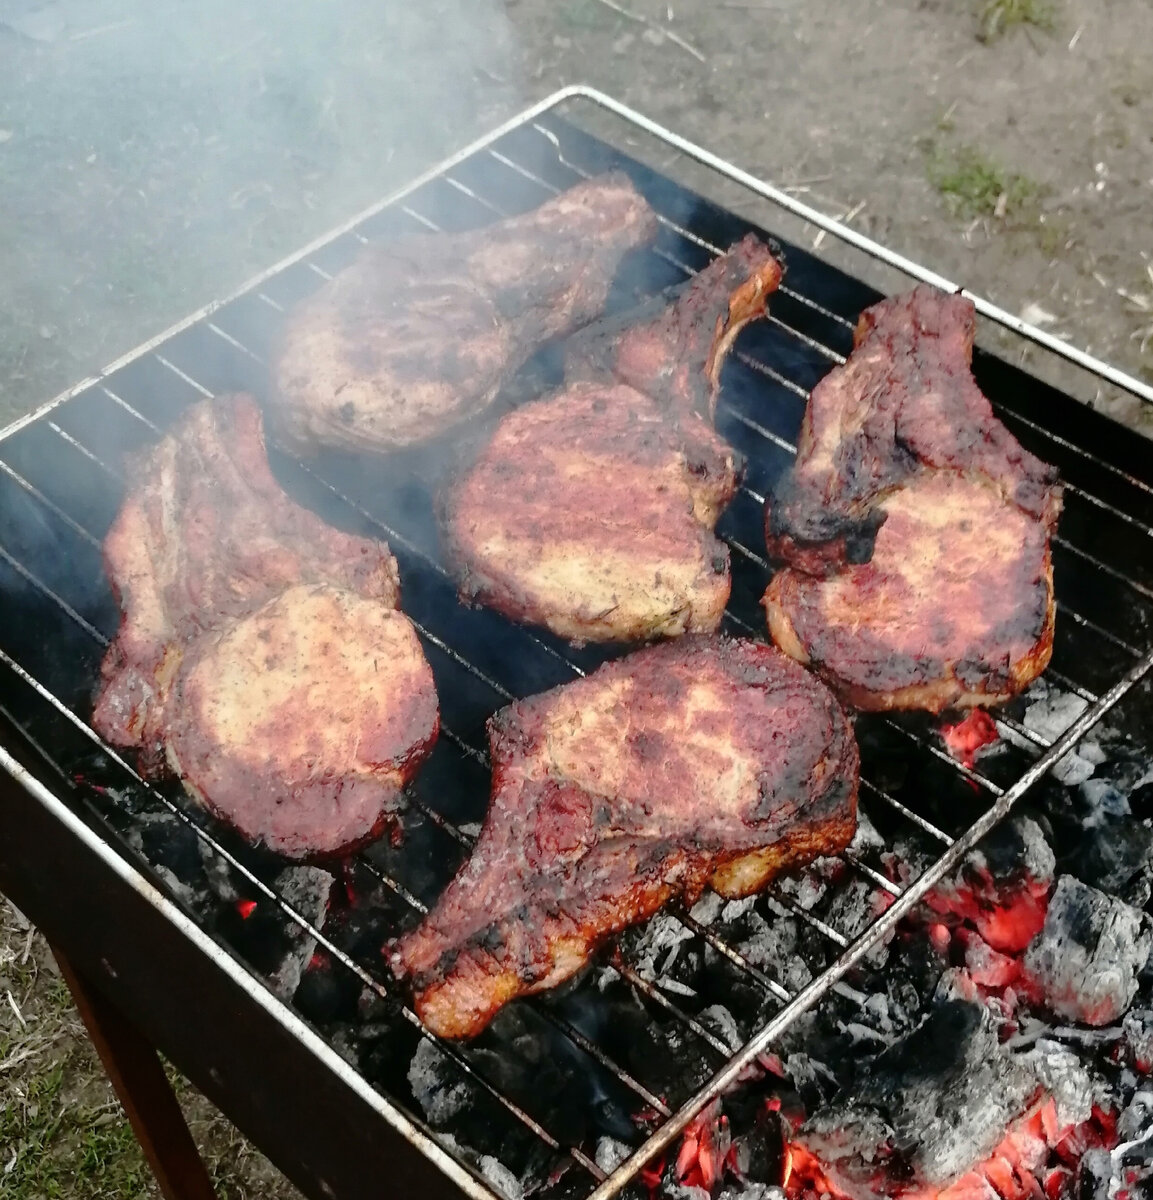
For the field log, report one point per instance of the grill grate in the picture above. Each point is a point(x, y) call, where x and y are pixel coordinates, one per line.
point(61, 482)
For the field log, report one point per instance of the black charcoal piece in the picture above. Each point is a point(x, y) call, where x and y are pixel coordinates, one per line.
point(441, 1089)
point(1114, 851)
point(1086, 959)
point(306, 890)
point(928, 1109)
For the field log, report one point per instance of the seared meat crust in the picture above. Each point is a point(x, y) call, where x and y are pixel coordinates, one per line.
point(300, 724)
point(590, 513)
point(205, 536)
point(914, 527)
point(673, 347)
point(905, 401)
point(259, 655)
point(703, 761)
point(420, 333)
point(954, 609)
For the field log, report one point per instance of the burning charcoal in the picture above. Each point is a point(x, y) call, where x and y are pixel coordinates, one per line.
point(537, 1065)
point(1114, 852)
point(717, 1019)
point(759, 1152)
point(753, 1191)
point(1085, 961)
point(929, 1108)
point(854, 907)
point(966, 739)
point(167, 842)
point(1095, 1175)
point(708, 908)
point(1065, 1079)
point(1002, 886)
point(326, 992)
point(670, 1190)
point(306, 890)
point(221, 875)
point(1136, 1122)
point(654, 947)
point(813, 1080)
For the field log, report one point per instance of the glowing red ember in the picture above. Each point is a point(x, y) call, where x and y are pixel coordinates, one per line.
point(1031, 1161)
point(964, 739)
point(246, 908)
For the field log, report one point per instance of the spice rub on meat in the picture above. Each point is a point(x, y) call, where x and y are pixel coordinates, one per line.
point(420, 333)
point(300, 724)
point(591, 512)
point(214, 568)
point(914, 528)
point(702, 762)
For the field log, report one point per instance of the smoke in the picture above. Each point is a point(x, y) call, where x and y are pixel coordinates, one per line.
point(155, 153)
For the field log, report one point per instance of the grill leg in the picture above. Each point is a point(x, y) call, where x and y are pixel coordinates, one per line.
point(143, 1089)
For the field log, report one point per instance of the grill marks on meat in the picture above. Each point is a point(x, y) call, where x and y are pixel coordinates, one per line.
point(704, 761)
point(591, 512)
point(216, 671)
point(420, 333)
point(914, 528)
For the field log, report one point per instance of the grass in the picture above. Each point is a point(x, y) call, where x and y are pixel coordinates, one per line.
point(975, 186)
point(995, 18)
point(63, 1135)
point(53, 1147)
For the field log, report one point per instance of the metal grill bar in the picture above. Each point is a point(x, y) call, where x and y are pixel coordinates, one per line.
point(480, 755)
point(338, 955)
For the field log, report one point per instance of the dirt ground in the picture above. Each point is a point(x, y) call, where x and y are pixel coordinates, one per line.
point(153, 156)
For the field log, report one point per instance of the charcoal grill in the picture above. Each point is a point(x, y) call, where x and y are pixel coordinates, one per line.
point(71, 851)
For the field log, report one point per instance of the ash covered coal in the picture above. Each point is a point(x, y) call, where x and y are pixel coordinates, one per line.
point(931, 1106)
point(969, 1060)
point(223, 899)
point(1085, 961)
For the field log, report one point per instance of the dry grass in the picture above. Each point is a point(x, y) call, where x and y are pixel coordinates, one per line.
point(63, 1135)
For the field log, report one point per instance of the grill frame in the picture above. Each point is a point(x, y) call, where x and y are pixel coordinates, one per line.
point(13, 873)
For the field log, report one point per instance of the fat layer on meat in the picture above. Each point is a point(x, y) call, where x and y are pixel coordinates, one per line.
point(914, 528)
point(421, 332)
point(699, 762)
